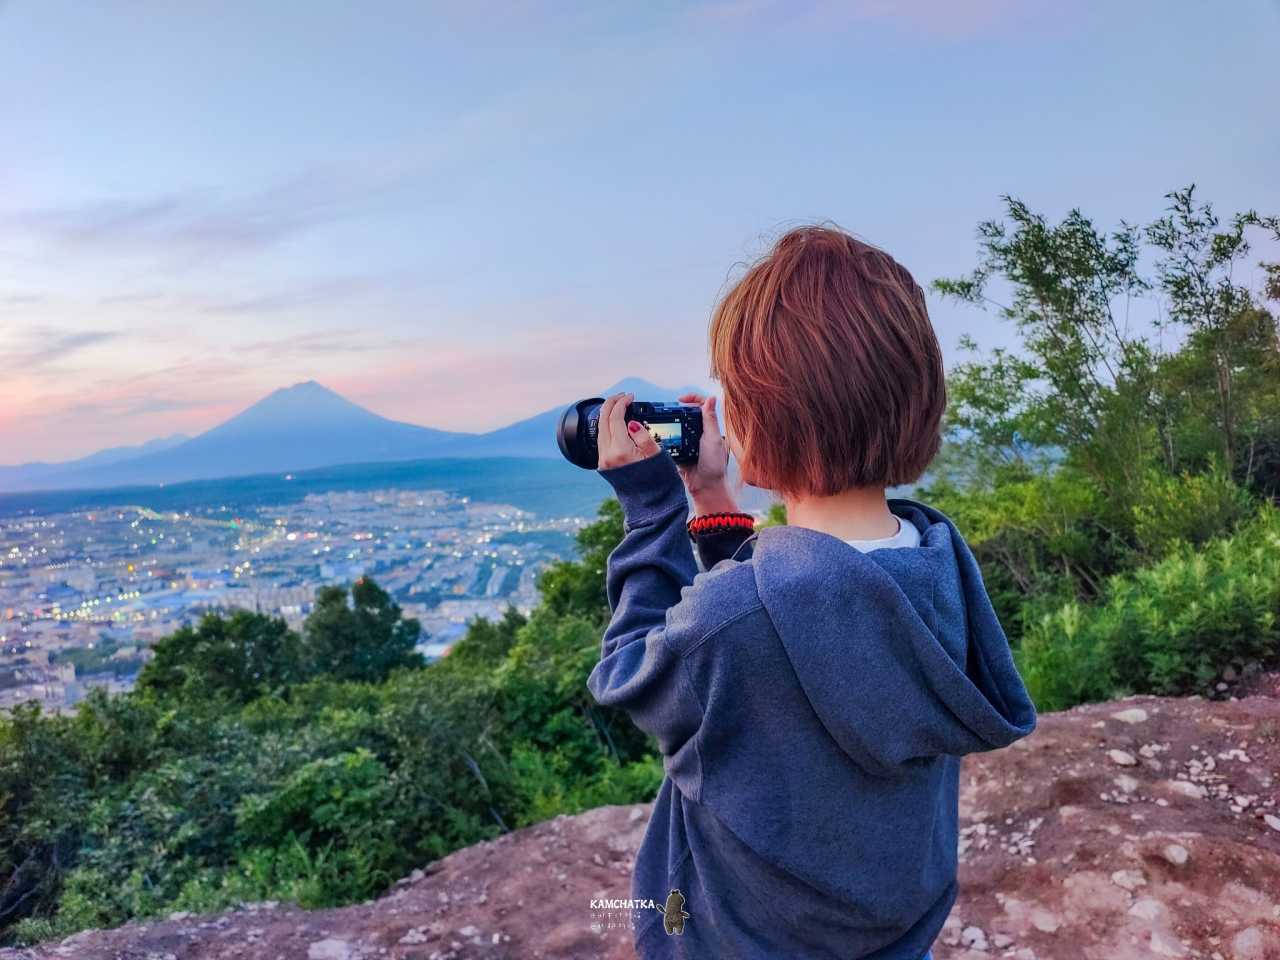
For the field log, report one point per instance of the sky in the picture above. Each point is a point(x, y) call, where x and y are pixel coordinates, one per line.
point(460, 214)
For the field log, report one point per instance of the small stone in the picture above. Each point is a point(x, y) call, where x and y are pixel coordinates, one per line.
point(1162, 944)
point(1001, 940)
point(1126, 783)
point(1176, 854)
point(1248, 944)
point(635, 814)
point(1187, 789)
point(1044, 920)
point(1271, 821)
point(468, 931)
point(1132, 715)
point(1147, 909)
point(1122, 757)
point(1128, 879)
point(1221, 687)
point(974, 937)
point(330, 949)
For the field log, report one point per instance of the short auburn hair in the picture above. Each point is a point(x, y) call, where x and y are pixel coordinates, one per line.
point(831, 370)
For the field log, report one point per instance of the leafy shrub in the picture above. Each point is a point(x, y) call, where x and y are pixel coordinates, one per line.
point(1167, 629)
point(1188, 508)
point(548, 788)
point(1036, 536)
point(324, 799)
point(297, 872)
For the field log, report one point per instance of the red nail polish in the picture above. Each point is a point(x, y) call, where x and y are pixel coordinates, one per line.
point(633, 426)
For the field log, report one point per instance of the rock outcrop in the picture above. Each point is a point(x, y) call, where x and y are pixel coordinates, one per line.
point(1144, 828)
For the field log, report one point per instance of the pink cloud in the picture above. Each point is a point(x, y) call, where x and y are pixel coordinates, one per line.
point(462, 386)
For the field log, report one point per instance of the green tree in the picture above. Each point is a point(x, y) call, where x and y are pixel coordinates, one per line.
point(1079, 367)
point(1062, 451)
point(1227, 333)
point(577, 587)
point(364, 639)
point(240, 657)
point(486, 643)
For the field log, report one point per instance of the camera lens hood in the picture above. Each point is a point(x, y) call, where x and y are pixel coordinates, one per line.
point(576, 433)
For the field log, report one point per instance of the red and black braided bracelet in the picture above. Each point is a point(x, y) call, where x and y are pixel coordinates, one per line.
point(722, 522)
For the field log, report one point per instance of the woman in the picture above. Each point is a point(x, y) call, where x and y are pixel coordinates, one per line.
point(812, 690)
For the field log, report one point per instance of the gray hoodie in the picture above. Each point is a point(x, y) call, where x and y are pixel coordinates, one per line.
point(811, 703)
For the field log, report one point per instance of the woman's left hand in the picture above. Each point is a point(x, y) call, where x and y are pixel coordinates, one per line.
point(621, 441)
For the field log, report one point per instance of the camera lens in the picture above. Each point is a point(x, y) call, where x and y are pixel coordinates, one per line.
point(576, 433)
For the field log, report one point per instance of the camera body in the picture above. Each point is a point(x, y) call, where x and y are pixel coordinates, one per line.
point(676, 427)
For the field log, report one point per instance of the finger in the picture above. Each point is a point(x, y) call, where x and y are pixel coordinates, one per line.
point(646, 446)
point(603, 431)
point(609, 426)
point(712, 437)
point(709, 414)
point(617, 446)
point(618, 418)
point(691, 398)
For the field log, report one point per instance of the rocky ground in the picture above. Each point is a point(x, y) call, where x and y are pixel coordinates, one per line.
point(1142, 828)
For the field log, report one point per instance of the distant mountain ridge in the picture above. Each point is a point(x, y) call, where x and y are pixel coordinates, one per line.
point(26, 476)
point(301, 427)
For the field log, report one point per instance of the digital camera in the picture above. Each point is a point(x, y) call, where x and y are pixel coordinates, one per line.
point(676, 427)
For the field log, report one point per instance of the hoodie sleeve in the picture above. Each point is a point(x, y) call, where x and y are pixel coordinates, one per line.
point(729, 544)
point(640, 668)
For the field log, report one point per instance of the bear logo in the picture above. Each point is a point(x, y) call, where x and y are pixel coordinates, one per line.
point(674, 914)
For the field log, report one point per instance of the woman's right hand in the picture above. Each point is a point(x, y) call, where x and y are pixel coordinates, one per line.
point(707, 480)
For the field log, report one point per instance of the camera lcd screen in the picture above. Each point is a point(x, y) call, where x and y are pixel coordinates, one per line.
point(667, 435)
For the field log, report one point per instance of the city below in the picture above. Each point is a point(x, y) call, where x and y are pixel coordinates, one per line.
point(85, 592)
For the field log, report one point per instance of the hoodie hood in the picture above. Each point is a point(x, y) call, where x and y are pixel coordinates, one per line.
point(898, 650)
